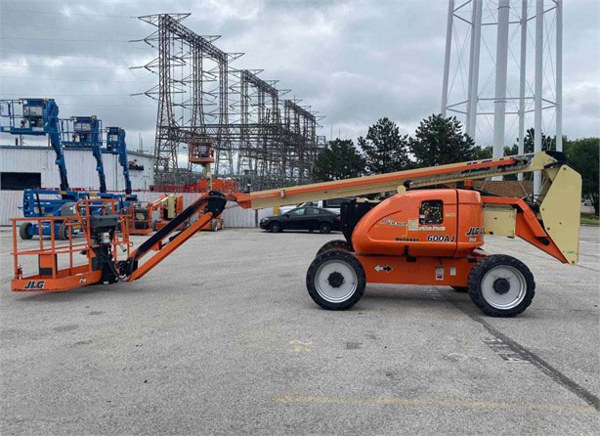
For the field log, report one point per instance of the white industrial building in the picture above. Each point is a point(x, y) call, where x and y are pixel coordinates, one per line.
point(31, 166)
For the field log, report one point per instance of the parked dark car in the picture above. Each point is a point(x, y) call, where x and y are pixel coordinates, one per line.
point(302, 218)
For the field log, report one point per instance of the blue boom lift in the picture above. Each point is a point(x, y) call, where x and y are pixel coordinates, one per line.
point(115, 144)
point(84, 132)
point(39, 117)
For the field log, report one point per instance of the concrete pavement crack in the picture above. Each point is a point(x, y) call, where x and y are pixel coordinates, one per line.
point(556, 375)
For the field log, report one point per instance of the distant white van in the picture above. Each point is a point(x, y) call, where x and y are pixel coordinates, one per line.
point(332, 205)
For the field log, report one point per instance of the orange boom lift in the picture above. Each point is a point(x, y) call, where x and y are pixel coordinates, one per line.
point(417, 236)
point(202, 151)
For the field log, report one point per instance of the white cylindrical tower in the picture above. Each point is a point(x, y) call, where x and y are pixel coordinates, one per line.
point(479, 84)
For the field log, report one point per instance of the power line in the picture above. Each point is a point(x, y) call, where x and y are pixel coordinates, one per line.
point(105, 105)
point(65, 40)
point(74, 80)
point(68, 14)
point(58, 55)
point(75, 95)
point(63, 29)
point(114, 67)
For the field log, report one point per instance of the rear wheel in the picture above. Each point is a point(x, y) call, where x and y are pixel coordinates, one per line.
point(275, 227)
point(501, 286)
point(337, 244)
point(63, 232)
point(325, 227)
point(336, 280)
point(24, 231)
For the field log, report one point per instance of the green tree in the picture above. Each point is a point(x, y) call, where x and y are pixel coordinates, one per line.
point(340, 160)
point(548, 143)
point(384, 148)
point(584, 155)
point(440, 140)
point(482, 152)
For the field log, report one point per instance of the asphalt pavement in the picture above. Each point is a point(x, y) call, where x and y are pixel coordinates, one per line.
point(222, 338)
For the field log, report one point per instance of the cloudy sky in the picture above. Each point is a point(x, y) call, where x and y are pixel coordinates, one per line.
point(353, 61)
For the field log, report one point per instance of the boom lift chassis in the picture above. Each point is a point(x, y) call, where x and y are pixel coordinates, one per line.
point(418, 236)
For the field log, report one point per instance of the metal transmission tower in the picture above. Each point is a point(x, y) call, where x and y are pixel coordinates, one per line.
point(521, 80)
point(199, 94)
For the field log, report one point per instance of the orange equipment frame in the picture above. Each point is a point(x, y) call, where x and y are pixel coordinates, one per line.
point(201, 150)
point(140, 223)
point(50, 277)
point(159, 205)
point(164, 244)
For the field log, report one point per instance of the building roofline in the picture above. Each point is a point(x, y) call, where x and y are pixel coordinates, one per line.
point(42, 147)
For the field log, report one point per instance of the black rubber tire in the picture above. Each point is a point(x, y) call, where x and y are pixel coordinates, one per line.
point(63, 232)
point(337, 244)
point(340, 256)
point(24, 231)
point(461, 288)
point(275, 227)
point(325, 227)
point(487, 264)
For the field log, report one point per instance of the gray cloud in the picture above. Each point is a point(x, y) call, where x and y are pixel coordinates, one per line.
point(353, 61)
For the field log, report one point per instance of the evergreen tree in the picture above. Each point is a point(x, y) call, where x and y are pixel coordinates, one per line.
point(340, 160)
point(482, 152)
point(548, 143)
point(384, 148)
point(440, 140)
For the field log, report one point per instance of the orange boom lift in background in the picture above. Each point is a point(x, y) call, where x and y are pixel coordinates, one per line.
point(417, 236)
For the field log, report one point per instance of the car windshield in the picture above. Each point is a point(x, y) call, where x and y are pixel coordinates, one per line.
point(297, 212)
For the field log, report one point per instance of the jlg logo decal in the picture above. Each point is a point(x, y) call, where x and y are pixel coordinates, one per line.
point(35, 284)
point(475, 231)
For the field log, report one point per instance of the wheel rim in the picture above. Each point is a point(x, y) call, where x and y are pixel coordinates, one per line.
point(329, 274)
point(503, 287)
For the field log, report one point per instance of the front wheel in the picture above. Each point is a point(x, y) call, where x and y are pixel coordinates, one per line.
point(336, 280)
point(64, 232)
point(25, 231)
point(325, 227)
point(501, 286)
point(275, 227)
